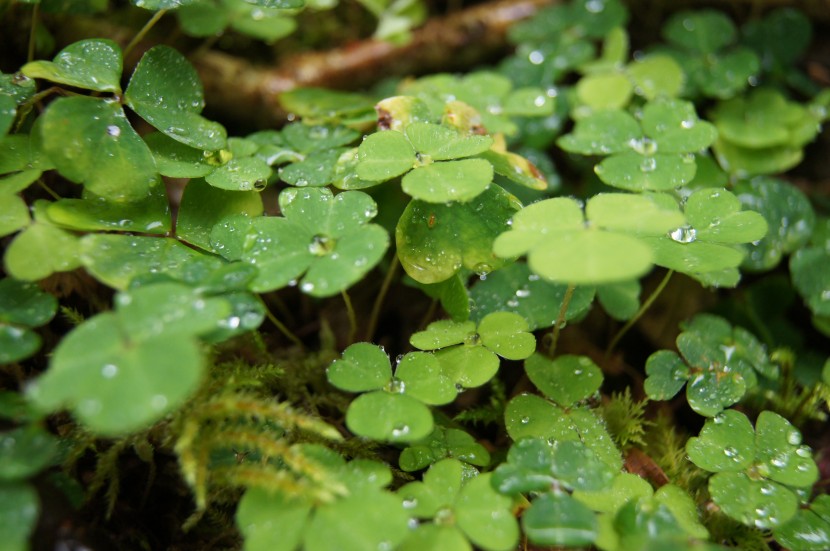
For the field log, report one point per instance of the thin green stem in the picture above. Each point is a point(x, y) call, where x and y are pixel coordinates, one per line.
point(384, 288)
point(645, 306)
point(143, 32)
point(48, 190)
point(351, 314)
point(279, 325)
point(30, 55)
point(560, 319)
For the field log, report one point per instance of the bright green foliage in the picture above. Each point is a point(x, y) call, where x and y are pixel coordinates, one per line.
point(489, 93)
point(703, 43)
point(93, 64)
point(515, 289)
point(23, 306)
point(122, 371)
point(429, 155)
point(444, 443)
point(264, 20)
point(758, 471)
point(395, 18)
point(763, 133)
point(25, 451)
point(469, 353)
point(40, 250)
point(566, 382)
point(789, 216)
point(718, 366)
point(321, 106)
point(650, 154)
point(809, 529)
point(326, 237)
point(435, 241)
point(393, 410)
point(456, 498)
point(705, 247)
point(314, 151)
point(166, 91)
point(561, 247)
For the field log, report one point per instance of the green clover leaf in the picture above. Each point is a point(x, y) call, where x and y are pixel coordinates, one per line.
point(715, 224)
point(443, 443)
point(757, 471)
point(90, 141)
point(40, 250)
point(809, 529)
point(514, 288)
point(19, 508)
point(810, 268)
point(166, 92)
point(720, 366)
point(326, 237)
point(566, 380)
point(468, 352)
point(561, 247)
point(428, 154)
point(93, 64)
point(114, 370)
point(25, 451)
point(529, 416)
point(456, 497)
point(263, 20)
point(23, 306)
point(434, 241)
point(652, 154)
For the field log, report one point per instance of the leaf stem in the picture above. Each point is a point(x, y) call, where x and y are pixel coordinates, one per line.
point(645, 306)
point(30, 54)
point(384, 288)
point(48, 190)
point(143, 32)
point(279, 325)
point(351, 314)
point(560, 319)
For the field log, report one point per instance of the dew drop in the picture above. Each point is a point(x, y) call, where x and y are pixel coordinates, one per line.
point(400, 431)
point(684, 234)
point(109, 371)
point(113, 131)
point(524, 420)
point(536, 57)
point(649, 164)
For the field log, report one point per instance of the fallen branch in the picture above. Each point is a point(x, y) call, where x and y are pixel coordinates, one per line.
point(248, 93)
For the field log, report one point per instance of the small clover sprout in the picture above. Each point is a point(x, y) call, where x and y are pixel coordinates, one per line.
point(565, 381)
point(393, 408)
point(719, 365)
point(469, 352)
point(758, 472)
point(327, 237)
point(703, 43)
point(442, 443)
point(489, 93)
point(652, 153)
point(432, 157)
point(561, 247)
point(463, 508)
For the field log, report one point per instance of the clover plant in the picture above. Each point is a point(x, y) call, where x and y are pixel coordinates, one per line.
point(196, 305)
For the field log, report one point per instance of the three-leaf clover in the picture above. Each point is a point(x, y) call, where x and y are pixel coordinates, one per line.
point(555, 517)
point(703, 42)
point(469, 352)
point(393, 408)
point(432, 157)
point(324, 238)
point(463, 507)
point(562, 247)
point(122, 371)
point(565, 382)
point(652, 153)
point(705, 247)
point(718, 365)
point(757, 471)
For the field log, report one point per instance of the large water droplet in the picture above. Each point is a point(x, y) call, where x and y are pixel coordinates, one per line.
point(649, 164)
point(684, 234)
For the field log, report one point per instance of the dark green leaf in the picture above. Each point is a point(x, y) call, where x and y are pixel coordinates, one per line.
point(93, 64)
point(557, 519)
